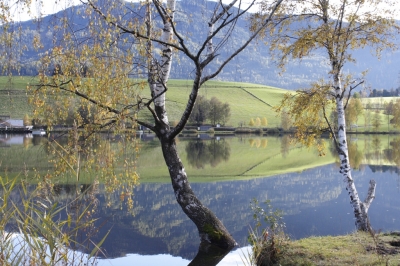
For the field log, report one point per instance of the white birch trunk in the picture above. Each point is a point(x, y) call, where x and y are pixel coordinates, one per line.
point(210, 47)
point(360, 208)
point(162, 70)
point(214, 19)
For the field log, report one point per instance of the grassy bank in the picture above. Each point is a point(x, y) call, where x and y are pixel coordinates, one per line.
point(354, 249)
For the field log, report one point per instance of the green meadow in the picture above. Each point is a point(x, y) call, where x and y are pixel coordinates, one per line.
point(14, 97)
point(246, 100)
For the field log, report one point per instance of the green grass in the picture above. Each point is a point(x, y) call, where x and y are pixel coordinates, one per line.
point(13, 97)
point(354, 249)
point(14, 83)
point(377, 100)
point(246, 100)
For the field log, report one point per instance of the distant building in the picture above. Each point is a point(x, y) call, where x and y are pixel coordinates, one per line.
point(14, 124)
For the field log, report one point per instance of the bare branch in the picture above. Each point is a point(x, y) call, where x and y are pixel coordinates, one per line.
point(241, 48)
point(130, 31)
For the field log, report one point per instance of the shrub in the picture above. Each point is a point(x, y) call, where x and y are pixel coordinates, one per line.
point(259, 131)
point(242, 130)
point(270, 244)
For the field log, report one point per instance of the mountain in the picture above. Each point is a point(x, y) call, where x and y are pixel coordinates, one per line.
point(253, 65)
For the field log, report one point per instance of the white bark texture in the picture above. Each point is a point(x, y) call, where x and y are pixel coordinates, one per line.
point(162, 70)
point(360, 208)
point(214, 19)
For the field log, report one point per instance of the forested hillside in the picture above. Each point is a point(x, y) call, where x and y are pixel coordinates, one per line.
point(254, 65)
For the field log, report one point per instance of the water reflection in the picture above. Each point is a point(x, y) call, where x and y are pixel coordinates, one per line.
point(200, 153)
point(314, 201)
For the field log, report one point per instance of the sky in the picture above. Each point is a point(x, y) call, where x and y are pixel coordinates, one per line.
point(47, 7)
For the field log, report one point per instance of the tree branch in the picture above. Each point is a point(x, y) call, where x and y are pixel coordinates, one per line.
point(235, 53)
point(370, 196)
point(126, 30)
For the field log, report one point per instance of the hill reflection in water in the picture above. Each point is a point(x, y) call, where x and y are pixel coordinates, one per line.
point(314, 203)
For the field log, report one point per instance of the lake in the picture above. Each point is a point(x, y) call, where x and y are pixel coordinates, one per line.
point(227, 174)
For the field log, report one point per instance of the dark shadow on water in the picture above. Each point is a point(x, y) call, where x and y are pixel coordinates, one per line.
point(209, 255)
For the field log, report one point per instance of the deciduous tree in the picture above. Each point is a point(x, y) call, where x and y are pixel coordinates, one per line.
point(219, 112)
point(200, 111)
point(376, 120)
point(353, 110)
point(337, 28)
point(123, 42)
point(252, 122)
point(264, 122)
point(396, 113)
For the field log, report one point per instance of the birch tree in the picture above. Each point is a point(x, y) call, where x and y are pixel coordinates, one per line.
point(126, 41)
point(335, 28)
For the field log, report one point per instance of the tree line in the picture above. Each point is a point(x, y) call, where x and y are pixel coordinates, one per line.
point(385, 93)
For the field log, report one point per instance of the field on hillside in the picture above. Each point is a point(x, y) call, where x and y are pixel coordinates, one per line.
point(13, 97)
point(246, 100)
point(377, 101)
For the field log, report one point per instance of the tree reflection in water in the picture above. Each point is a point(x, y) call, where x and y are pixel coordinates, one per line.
point(200, 153)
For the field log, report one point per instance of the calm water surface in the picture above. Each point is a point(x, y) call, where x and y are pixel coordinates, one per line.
point(314, 201)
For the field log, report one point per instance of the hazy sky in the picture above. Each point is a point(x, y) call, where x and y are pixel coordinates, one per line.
point(47, 7)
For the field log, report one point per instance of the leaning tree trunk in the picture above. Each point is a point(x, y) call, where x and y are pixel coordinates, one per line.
point(360, 208)
point(210, 228)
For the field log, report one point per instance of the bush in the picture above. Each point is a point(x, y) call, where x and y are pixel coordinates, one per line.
point(241, 130)
point(259, 131)
point(270, 244)
point(224, 129)
point(274, 131)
